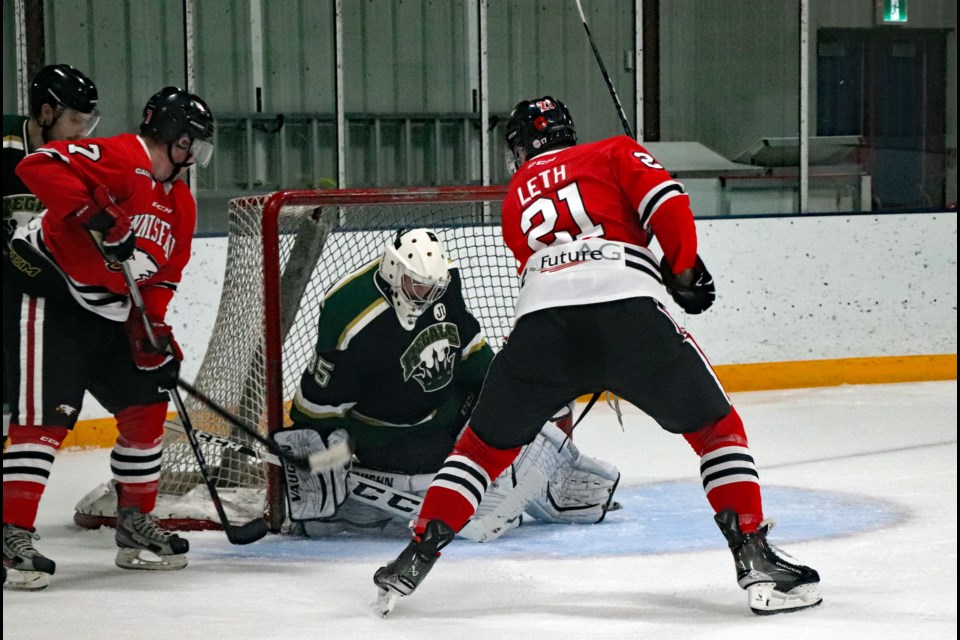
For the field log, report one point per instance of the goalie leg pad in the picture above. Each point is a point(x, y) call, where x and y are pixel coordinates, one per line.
point(312, 496)
point(581, 488)
point(524, 481)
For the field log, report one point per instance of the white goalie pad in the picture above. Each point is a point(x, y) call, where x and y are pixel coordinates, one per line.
point(312, 496)
point(580, 490)
point(550, 480)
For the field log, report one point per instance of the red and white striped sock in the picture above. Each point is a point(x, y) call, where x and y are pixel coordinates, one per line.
point(135, 459)
point(27, 463)
point(729, 476)
point(458, 487)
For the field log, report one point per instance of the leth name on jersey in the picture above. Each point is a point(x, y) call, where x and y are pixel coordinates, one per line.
point(546, 179)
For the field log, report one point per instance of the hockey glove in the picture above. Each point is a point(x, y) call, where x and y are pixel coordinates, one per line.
point(695, 297)
point(111, 223)
point(163, 364)
point(312, 496)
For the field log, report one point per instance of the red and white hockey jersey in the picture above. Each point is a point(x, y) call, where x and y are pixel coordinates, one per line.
point(163, 216)
point(578, 220)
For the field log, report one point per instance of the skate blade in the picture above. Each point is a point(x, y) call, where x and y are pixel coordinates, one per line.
point(765, 600)
point(386, 601)
point(26, 580)
point(132, 559)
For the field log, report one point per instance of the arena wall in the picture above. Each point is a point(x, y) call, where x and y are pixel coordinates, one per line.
point(802, 301)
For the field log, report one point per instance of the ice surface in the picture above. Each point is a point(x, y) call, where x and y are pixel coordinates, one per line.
point(862, 480)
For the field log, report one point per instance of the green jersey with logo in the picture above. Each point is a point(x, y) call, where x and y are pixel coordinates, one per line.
point(402, 395)
point(19, 205)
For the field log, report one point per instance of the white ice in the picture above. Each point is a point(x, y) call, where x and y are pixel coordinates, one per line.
point(863, 479)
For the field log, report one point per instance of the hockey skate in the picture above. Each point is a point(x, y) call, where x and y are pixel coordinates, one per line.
point(24, 567)
point(402, 576)
point(138, 532)
point(774, 582)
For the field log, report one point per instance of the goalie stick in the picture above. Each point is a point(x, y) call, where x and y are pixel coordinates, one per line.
point(318, 462)
point(399, 503)
point(394, 501)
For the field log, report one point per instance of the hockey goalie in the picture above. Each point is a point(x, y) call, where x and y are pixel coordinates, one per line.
point(398, 365)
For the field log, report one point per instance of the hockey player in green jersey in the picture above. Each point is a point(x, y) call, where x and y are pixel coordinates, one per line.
point(398, 366)
point(63, 106)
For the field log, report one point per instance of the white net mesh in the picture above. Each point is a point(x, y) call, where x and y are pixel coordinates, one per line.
point(318, 242)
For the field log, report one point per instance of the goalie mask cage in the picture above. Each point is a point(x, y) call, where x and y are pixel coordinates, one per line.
point(284, 251)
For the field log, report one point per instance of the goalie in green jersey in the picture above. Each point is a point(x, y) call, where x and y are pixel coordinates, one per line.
point(398, 365)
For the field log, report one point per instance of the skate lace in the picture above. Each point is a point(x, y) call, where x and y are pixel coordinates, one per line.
point(20, 542)
point(146, 525)
point(767, 526)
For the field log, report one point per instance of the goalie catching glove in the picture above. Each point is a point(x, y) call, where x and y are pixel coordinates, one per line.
point(164, 362)
point(111, 224)
point(695, 297)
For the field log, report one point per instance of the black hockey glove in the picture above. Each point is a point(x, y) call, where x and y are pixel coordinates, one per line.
point(693, 298)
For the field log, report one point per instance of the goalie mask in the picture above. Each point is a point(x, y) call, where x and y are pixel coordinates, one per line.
point(414, 266)
point(536, 126)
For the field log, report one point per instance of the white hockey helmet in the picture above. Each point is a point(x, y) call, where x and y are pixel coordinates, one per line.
point(414, 265)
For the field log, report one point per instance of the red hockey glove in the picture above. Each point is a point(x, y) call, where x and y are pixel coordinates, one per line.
point(163, 364)
point(694, 294)
point(104, 216)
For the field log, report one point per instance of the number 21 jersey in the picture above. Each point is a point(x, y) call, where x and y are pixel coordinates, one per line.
point(579, 220)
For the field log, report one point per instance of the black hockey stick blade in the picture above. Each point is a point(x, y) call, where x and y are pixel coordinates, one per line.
point(247, 533)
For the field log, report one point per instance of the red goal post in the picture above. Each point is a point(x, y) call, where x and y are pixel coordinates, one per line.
point(284, 250)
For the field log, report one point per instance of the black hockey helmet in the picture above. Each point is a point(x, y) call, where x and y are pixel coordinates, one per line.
point(536, 126)
point(172, 113)
point(61, 86)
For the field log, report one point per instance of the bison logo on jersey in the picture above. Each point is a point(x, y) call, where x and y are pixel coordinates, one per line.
point(430, 357)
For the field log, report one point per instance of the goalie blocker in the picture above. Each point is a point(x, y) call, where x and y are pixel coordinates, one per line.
point(551, 480)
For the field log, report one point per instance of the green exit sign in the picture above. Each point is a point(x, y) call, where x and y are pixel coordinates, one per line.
point(892, 11)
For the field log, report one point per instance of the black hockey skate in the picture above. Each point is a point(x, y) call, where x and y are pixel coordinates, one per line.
point(31, 569)
point(138, 532)
point(774, 582)
point(402, 576)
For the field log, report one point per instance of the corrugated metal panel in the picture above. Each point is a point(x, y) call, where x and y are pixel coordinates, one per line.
point(406, 56)
point(702, 99)
point(9, 58)
point(539, 48)
point(130, 50)
point(299, 57)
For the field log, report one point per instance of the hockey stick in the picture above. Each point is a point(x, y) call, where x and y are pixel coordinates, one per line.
point(386, 498)
point(318, 462)
point(603, 71)
point(236, 534)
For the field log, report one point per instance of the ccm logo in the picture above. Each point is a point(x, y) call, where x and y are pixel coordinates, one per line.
point(374, 495)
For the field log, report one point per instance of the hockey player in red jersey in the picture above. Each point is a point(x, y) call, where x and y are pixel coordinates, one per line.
point(69, 327)
point(591, 317)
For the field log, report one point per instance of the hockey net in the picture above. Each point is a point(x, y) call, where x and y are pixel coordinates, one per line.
point(284, 251)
